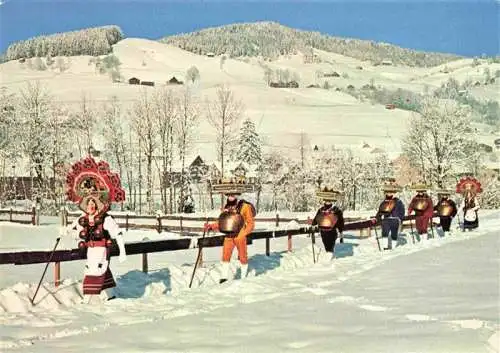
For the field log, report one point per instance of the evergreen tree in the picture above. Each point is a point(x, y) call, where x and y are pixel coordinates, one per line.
point(249, 144)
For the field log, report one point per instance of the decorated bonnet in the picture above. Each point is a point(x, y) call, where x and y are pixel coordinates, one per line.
point(90, 180)
point(469, 185)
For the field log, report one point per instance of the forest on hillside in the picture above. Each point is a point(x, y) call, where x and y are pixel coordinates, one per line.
point(270, 39)
point(90, 41)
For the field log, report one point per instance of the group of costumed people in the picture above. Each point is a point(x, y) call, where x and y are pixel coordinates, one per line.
point(93, 187)
point(391, 211)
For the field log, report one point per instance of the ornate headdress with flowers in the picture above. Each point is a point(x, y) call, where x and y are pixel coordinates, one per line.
point(90, 180)
point(468, 184)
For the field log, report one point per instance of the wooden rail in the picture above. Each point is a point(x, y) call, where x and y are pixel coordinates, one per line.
point(34, 220)
point(145, 247)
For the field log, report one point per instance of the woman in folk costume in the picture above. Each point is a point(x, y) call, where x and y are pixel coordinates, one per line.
point(446, 210)
point(329, 219)
point(423, 207)
point(391, 212)
point(469, 187)
point(93, 187)
point(236, 221)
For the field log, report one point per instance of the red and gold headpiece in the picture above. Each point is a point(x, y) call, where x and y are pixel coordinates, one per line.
point(469, 184)
point(89, 180)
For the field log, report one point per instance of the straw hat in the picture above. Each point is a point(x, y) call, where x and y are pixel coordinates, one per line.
point(329, 194)
point(232, 186)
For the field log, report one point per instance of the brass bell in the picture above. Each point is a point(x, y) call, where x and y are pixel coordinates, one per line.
point(327, 220)
point(230, 222)
point(445, 210)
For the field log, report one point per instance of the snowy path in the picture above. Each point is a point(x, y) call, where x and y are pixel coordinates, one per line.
point(420, 298)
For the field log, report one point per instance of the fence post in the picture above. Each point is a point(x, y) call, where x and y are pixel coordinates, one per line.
point(126, 222)
point(180, 219)
point(277, 220)
point(37, 215)
point(63, 217)
point(57, 274)
point(145, 266)
point(66, 215)
point(268, 246)
point(158, 217)
point(33, 215)
point(145, 262)
point(289, 242)
point(10, 215)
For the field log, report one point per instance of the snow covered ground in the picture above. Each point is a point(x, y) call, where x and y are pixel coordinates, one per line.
point(440, 295)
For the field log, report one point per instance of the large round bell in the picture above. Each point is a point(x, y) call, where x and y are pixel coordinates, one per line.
point(420, 204)
point(387, 206)
point(230, 222)
point(445, 209)
point(326, 220)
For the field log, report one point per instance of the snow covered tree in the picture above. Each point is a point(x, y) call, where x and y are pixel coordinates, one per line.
point(223, 113)
point(143, 124)
point(166, 113)
point(116, 141)
point(193, 74)
point(249, 144)
point(440, 139)
point(184, 131)
point(33, 133)
point(84, 121)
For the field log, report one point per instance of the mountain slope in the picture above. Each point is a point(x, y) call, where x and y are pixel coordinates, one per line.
point(271, 39)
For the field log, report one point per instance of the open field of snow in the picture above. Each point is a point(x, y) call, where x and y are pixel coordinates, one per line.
point(439, 295)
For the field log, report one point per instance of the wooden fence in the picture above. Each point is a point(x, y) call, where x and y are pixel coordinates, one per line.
point(124, 221)
point(145, 247)
point(34, 216)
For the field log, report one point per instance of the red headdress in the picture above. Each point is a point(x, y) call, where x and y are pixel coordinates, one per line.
point(89, 180)
point(469, 184)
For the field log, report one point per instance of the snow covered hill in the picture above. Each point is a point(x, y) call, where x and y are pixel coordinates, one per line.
point(439, 295)
point(332, 116)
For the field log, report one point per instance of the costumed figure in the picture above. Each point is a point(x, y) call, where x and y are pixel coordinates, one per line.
point(423, 207)
point(391, 212)
point(236, 221)
point(469, 187)
point(329, 219)
point(446, 210)
point(94, 187)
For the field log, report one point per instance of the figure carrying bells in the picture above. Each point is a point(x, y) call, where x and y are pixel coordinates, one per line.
point(236, 221)
point(423, 207)
point(391, 212)
point(329, 218)
point(446, 209)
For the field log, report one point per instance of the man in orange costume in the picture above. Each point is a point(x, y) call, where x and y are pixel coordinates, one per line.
point(424, 210)
point(239, 239)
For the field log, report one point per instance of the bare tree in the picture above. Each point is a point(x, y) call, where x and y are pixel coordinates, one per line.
point(268, 75)
point(166, 112)
point(440, 139)
point(223, 114)
point(34, 109)
point(116, 139)
point(193, 74)
point(143, 124)
point(184, 128)
point(84, 120)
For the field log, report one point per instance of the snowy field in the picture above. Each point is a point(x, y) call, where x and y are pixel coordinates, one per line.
point(440, 295)
point(332, 117)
